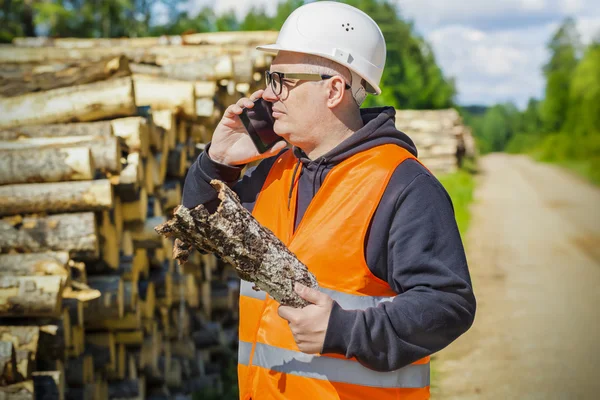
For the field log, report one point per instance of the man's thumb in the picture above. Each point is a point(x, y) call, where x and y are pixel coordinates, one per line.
point(309, 294)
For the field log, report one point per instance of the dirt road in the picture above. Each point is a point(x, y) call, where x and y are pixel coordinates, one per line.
point(534, 255)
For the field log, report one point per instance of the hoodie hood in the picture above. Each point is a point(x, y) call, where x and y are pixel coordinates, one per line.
point(379, 128)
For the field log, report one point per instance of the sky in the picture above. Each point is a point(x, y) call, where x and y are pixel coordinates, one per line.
point(495, 49)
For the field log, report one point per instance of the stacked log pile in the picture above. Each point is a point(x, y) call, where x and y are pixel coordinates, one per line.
point(96, 137)
point(441, 138)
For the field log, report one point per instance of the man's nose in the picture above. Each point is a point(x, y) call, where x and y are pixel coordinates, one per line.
point(269, 95)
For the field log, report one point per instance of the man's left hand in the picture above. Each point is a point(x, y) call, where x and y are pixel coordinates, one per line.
point(309, 324)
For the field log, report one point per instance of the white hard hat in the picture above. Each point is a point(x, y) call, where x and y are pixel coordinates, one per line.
point(340, 33)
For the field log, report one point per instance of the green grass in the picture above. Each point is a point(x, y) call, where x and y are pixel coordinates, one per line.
point(460, 186)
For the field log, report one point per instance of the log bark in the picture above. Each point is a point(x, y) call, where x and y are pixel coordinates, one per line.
point(8, 364)
point(235, 235)
point(94, 101)
point(165, 94)
point(34, 296)
point(56, 197)
point(99, 128)
point(18, 391)
point(76, 75)
point(109, 240)
point(74, 232)
point(106, 151)
point(25, 339)
point(35, 264)
point(46, 165)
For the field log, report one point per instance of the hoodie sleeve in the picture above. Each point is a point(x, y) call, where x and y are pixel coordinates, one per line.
point(425, 263)
point(197, 189)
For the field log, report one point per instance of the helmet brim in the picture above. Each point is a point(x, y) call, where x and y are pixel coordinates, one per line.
point(275, 48)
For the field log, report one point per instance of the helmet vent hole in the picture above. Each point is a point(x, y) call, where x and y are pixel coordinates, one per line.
point(347, 26)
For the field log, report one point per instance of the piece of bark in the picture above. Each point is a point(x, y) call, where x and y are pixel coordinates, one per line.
point(34, 296)
point(46, 165)
point(236, 236)
point(56, 197)
point(76, 75)
point(106, 150)
point(97, 128)
point(32, 264)
point(90, 102)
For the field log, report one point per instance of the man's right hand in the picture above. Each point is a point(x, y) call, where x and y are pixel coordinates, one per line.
point(231, 144)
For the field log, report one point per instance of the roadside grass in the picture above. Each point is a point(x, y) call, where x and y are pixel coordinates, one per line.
point(460, 186)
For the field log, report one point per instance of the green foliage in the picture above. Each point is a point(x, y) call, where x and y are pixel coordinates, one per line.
point(564, 47)
point(584, 95)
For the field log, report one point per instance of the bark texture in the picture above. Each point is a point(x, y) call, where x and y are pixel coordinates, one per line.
point(56, 197)
point(100, 128)
point(33, 264)
point(33, 296)
point(94, 101)
point(47, 165)
point(106, 151)
point(76, 75)
point(236, 236)
point(74, 232)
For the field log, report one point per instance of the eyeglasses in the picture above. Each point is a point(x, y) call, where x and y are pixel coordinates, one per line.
point(275, 79)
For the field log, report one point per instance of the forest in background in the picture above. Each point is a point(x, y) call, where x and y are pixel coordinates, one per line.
point(564, 126)
point(412, 78)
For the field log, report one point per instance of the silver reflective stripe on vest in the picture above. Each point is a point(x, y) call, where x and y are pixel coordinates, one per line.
point(334, 369)
point(345, 300)
point(244, 351)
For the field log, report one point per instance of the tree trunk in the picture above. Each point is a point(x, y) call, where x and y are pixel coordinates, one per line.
point(233, 233)
point(56, 197)
point(94, 101)
point(34, 296)
point(106, 151)
point(77, 75)
point(129, 182)
point(100, 128)
point(47, 165)
point(35, 264)
point(75, 233)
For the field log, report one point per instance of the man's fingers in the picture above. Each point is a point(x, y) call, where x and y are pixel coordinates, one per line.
point(287, 313)
point(276, 148)
point(309, 294)
point(257, 95)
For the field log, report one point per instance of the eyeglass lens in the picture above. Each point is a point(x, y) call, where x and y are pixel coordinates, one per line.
point(274, 79)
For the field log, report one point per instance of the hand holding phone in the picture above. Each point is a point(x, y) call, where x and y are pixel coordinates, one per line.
point(231, 143)
point(259, 122)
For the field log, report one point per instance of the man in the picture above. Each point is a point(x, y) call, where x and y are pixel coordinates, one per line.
point(354, 204)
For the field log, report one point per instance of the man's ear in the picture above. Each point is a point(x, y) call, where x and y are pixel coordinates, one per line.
point(336, 89)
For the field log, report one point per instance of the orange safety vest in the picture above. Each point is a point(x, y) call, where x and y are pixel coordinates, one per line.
point(330, 241)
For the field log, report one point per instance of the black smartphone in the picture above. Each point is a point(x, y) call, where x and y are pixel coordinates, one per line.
point(259, 124)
